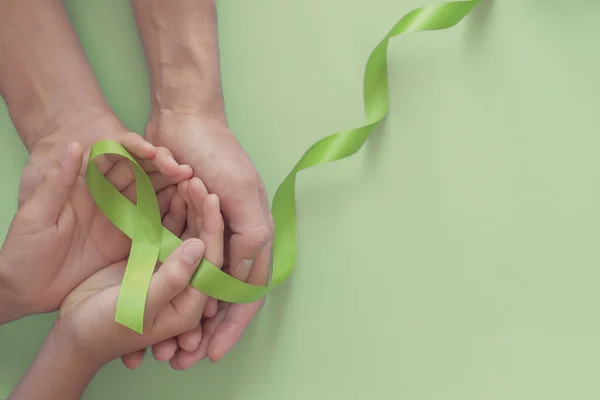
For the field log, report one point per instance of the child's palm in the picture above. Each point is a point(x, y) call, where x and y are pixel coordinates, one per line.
point(173, 306)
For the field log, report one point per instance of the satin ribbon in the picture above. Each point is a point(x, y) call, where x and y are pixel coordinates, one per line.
point(152, 242)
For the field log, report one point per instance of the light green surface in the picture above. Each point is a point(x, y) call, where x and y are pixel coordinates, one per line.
point(479, 199)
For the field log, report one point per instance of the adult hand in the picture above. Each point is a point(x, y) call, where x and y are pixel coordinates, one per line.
point(59, 237)
point(216, 157)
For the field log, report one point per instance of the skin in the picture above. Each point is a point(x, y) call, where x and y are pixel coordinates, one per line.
point(188, 117)
point(85, 336)
point(62, 233)
point(54, 99)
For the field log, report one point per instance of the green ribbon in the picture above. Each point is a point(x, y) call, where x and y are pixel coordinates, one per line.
point(152, 242)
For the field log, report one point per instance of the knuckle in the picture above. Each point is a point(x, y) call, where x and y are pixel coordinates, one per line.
point(239, 174)
point(234, 325)
point(190, 321)
point(270, 223)
point(130, 136)
point(163, 152)
point(260, 235)
point(175, 279)
point(247, 180)
point(27, 220)
point(122, 137)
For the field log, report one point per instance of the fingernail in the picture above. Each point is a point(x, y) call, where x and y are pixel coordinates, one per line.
point(195, 342)
point(243, 269)
point(193, 252)
point(216, 200)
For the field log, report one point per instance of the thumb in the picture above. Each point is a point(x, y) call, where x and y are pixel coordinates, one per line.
point(43, 208)
point(252, 232)
point(174, 275)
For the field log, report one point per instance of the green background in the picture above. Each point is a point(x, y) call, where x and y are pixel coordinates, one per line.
point(475, 206)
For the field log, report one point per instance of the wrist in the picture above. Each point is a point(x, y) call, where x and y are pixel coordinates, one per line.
point(85, 125)
point(64, 344)
point(59, 371)
point(172, 93)
point(181, 46)
point(11, 309)
point(49, 150)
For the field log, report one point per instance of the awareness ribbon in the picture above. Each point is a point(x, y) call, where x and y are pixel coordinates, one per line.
point(152, 242)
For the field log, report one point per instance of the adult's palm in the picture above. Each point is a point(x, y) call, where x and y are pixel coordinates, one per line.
point(215, 155)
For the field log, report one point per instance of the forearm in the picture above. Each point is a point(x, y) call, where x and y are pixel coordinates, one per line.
point(58, 372)
point(182, 52)
point(45, 78)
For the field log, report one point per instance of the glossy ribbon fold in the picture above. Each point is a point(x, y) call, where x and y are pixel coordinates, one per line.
point(152, 242)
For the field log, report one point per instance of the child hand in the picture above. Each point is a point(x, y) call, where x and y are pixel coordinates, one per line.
point(87, 317)
point(86, 336)
point(202, 212)
point(59, 237)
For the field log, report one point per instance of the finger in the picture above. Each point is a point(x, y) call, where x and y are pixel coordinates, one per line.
point(239, 316)
point(182, 189)
point(164, 350)
point(244, 251)
point(164, 199)
point(43, 209)
point(136, 145)
point(210, 309)
point(161, 181)
point(198, 194)
point(212, 236)
point(228, 333)
point(165, 163)
point(134, 360)
point(249, 239)
point(191, 297)
point(189, 304)
point(133, 143)
point(212, 229)
point(183, 359)
point(190, 340)
point(122, 177)
point(213, 305)
point(175, 219)
point(194, 196)
point(120, 174)
point(173, 277)
point(227, 247)
point(197, 201)
point(125, 182)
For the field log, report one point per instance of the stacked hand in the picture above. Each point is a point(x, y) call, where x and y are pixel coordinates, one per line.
point(62, 253)
point(59, 237)
point(207, 145)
